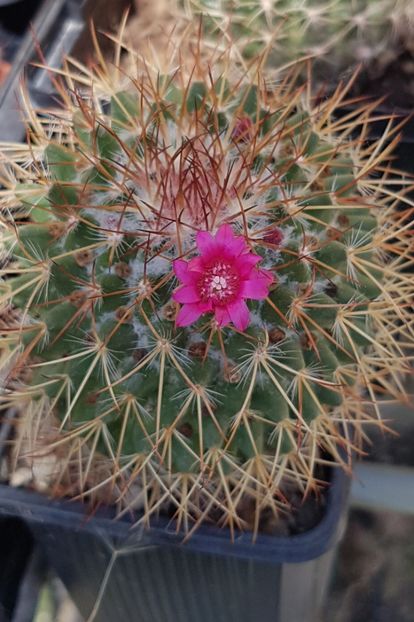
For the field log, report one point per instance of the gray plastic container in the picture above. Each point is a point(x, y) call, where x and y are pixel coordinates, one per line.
point(116, 571)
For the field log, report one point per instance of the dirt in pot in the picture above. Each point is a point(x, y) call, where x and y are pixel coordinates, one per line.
point(300, 514)
point(304, 513)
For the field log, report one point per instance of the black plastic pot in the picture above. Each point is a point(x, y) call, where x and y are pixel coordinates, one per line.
point(117, 571)
point(16, 546)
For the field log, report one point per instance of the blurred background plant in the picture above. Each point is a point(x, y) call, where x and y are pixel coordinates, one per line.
point(336, 34)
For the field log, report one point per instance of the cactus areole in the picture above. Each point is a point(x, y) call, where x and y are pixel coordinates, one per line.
point(204, 275)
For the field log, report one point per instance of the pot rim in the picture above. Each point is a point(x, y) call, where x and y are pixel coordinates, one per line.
point(34, 507)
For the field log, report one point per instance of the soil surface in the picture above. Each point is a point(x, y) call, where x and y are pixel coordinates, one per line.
point(304, 514)
point(301, 515)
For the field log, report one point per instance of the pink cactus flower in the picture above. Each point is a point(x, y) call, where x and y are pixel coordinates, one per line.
point(220, 279)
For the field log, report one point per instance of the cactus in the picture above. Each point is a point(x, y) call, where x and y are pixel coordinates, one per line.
point(338, 33)
point(205, 289)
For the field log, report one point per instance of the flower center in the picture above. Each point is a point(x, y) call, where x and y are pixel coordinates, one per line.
point(219, 283)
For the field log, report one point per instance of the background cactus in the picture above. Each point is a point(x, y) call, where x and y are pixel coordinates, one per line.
point(339, 33)
point(109, 192)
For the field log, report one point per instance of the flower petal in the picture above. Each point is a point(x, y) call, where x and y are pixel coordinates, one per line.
point(180, 268)
point(196, 265)
point(246, 262)
point(222, 316)
point(257, 286)
point(189, 314)
point(225, 234)
point(186, 294)
point(267, 274)
point(256, 289)
point(205, 242)
point(233, 245)
point(239, 314)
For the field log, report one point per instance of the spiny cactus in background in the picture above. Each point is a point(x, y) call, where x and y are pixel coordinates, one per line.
point(204, 273)
point(340, 33)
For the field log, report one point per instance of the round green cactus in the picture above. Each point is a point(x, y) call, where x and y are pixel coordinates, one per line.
point(338, 33)
point(163, 371)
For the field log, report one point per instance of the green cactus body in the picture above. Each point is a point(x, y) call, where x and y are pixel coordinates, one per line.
point(199, 417)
